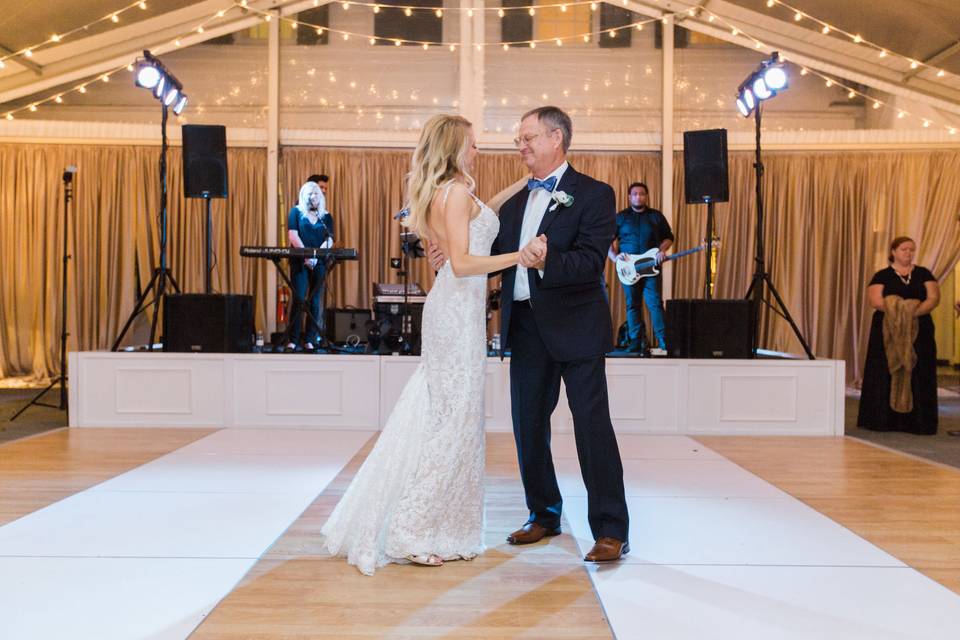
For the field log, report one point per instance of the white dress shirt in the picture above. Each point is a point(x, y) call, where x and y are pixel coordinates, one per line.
point(537, 204)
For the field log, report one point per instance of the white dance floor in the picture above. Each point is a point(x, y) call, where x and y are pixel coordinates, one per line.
point(149, 553)
point(716, 551)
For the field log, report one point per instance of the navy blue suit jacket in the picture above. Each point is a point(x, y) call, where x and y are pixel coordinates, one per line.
point(569, 302)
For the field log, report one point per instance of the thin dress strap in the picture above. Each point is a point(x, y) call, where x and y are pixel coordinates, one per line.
point(446, 192)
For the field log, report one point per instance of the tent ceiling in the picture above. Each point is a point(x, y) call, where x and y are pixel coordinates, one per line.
point(924, 29)
point(919, 29)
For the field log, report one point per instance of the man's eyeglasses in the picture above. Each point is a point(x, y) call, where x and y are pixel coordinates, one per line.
point(524, 141)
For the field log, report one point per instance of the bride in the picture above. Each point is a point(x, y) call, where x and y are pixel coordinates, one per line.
point(419, 495)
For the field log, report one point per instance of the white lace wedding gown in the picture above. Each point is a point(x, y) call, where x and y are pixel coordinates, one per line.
point(420, 491)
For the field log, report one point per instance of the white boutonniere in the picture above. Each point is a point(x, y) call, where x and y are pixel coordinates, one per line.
point(561, 198)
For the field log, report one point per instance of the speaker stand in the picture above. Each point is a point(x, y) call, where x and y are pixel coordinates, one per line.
point(707, 288)
point(208, 255)
point(62, 378)
point(760, 275)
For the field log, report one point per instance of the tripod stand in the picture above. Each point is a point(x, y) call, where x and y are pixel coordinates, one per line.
point(62, 378)
point(161, 275)
point(760, 275)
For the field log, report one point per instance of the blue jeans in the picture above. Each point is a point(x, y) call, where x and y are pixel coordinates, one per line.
point(302, 280)
point(648, 289)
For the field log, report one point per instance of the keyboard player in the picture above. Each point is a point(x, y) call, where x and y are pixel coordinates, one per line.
point(309, 224)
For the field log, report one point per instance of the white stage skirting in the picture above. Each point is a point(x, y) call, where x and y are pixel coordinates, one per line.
point(657, 396)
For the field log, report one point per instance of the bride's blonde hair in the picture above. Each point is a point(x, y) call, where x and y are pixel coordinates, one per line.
point(440, 156)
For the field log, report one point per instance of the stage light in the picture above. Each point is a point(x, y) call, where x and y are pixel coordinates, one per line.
point(148, 77)
point(760, 89)
point(764, 83)
point(153, 76)
point(775, 78)
point(181, 104)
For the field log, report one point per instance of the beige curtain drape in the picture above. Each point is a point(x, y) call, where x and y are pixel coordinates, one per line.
point(367, 189)
point(113, 240)
point(829, 219)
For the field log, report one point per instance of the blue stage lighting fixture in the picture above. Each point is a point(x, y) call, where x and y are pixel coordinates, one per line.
point(765, 82)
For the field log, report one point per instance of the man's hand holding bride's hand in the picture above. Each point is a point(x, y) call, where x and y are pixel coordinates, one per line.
point(435, 255)
point(534, 254)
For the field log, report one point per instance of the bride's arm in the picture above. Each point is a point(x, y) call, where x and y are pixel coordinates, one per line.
point(497, 201)
point(456, 224)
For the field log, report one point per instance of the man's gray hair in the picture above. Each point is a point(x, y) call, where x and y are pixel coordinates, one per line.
point(554, 118)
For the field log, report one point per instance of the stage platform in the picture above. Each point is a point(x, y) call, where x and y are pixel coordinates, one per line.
point(652, 396)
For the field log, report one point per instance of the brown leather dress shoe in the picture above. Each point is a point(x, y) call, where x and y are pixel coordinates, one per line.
point(530, 533)
point(607, 550)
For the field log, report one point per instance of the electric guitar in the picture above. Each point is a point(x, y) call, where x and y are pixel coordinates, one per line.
point(633, 267)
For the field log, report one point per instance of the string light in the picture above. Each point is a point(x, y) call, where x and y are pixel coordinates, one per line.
point(531, 43)
point(829, 82)
point(856, 38)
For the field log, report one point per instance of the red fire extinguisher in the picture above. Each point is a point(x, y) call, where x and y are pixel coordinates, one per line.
point(283, 303)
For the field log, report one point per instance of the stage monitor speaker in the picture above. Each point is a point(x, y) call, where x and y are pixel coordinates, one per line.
point(204, 161)
point(709, 329)
point(705, 166)
point(344, 324)
point(208, 323)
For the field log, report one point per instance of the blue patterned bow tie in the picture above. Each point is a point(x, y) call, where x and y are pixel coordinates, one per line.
point(548, 184)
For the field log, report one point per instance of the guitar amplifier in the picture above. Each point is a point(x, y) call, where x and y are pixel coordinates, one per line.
point(709, 329)
point(344, 324)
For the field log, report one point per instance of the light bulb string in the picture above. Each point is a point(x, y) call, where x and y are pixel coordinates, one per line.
point(58, 38)
point(639, 24)
point(106, 75)
point(830, 81)
point(827, 28)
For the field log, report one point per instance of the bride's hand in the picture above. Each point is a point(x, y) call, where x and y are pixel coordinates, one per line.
point(435, 255)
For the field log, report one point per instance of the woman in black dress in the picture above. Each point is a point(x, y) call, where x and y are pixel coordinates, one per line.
point(910, 282)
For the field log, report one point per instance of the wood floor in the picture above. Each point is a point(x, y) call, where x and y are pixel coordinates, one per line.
point(40, 470)
point(297, 591)
point(908, 507)
point(905, 506)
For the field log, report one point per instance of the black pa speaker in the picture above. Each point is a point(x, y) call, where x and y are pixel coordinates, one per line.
point(343, 324)
point(705, 166)
point(204, 161)
point(208, 323)
point(709, 329)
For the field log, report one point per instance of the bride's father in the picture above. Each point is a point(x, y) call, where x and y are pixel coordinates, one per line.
point(555, 320)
